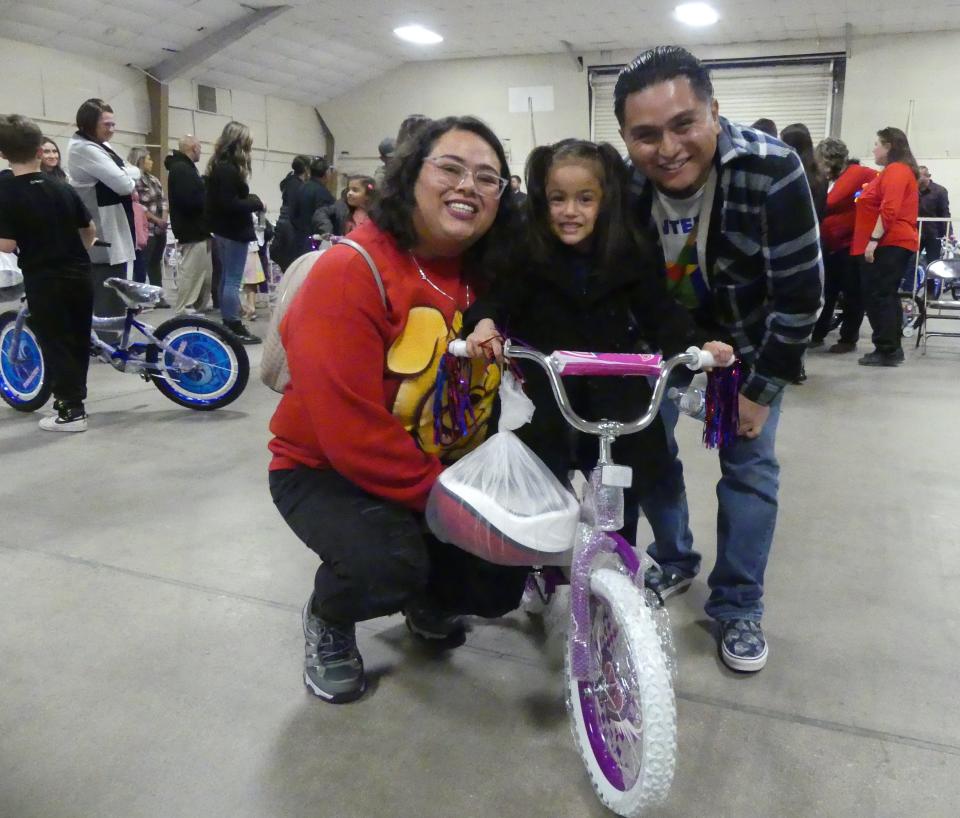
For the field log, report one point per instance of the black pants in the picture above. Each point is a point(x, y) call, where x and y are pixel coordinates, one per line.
point(840, 275)
point(881, 282)
point(152, 265)
point(378, 556)
point(61, 310)
point(930, 244)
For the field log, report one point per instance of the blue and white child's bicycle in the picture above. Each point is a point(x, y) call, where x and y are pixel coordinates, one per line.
point(192, 361)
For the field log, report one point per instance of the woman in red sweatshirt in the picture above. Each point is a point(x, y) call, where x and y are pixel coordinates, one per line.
point(885, 236)
point(354, 455)
point(841, 273)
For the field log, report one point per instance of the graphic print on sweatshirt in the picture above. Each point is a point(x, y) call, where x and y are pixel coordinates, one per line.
point(678, 223)
point(414, 356)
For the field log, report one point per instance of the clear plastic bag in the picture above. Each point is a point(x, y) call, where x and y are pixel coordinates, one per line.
point(501, 502)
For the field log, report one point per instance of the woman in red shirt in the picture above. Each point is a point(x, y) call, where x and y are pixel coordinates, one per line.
point(354, 451)
point(841, 274)
point(885, 236)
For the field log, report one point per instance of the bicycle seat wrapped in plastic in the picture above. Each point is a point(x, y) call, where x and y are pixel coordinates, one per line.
point(503, 504)
point(133, 293)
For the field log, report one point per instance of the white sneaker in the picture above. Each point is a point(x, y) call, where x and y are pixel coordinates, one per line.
point(55, 423)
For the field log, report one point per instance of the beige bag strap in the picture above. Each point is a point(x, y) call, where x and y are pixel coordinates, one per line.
point(370, 264)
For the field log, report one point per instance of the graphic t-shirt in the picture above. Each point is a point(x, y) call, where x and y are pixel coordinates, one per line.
point(678, 222)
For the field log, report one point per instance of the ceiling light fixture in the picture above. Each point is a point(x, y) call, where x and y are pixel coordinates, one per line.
point(418, 35)
point(696, 14)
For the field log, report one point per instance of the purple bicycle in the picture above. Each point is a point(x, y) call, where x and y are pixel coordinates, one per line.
point(618, 667)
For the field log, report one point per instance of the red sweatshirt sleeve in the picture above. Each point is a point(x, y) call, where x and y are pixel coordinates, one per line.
point(895, 184)
point(335, 335)
point(841, 194)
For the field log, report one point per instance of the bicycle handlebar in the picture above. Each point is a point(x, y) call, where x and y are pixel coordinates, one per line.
point(557, 363)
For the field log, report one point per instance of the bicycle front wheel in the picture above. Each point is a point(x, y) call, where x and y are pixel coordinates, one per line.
point(624, 721)
point(202, 366)
point(23, 373)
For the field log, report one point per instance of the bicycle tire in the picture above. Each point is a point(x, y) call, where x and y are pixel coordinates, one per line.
point(628, 745)
point(23, 386)
point(223, 366)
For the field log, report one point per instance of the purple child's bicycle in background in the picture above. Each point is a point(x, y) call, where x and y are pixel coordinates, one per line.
point(618, 664)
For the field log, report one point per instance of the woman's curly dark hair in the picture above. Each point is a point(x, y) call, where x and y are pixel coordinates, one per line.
point(393, 213)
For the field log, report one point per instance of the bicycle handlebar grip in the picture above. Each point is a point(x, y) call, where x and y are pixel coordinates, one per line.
point(707, 361)
point(458, 348)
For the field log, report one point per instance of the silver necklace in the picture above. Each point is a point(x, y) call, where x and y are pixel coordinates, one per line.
point(442, 292)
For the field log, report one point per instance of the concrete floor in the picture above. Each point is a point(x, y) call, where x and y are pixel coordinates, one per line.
point(150, 643)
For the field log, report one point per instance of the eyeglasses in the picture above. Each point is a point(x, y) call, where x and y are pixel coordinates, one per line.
point(487, 182)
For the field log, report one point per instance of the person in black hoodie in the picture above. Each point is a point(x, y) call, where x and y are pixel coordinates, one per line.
point(230, 207)
point(312, 195)
point(187, 218)
point(582, 278)
point(284, 248)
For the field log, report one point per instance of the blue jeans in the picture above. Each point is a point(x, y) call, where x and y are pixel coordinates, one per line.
point(746, 518)
point(233, 260)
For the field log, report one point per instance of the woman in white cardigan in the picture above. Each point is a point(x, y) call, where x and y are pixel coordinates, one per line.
point(105, 184)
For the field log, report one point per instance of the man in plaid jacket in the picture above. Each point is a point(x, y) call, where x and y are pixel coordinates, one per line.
point(731, 213)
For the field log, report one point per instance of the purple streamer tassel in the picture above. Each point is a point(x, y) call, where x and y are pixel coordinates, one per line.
point(452, 408)
point(723, 407)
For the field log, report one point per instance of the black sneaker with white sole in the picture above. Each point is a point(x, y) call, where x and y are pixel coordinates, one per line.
point(67, 418)
point(665, 582)
point(333, 667)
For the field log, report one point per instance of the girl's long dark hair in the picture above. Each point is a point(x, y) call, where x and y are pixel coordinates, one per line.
point(898, 148)
point(615, 236)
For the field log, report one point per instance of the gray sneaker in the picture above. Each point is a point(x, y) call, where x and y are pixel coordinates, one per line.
point(332, 668)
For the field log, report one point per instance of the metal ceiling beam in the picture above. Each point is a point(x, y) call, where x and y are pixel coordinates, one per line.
point(193, 55)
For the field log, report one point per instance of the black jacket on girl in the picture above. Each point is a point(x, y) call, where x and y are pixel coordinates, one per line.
point(568, 303)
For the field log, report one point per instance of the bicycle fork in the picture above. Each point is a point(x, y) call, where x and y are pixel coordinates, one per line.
point(602, 515)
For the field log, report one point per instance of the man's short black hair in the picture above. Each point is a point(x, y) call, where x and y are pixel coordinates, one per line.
point(19, 138)
point(516, 177)
point(319, 167)
point(665, 62)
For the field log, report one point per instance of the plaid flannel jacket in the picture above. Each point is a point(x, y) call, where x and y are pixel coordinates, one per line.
point(764, 265)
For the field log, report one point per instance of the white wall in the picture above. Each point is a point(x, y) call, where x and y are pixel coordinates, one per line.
point(360, 119)
point(883, 75)
point(49, 86)
point(280, 129)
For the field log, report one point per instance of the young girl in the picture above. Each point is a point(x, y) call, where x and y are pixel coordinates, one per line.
point(349, 212)
point(253, 274)
point(582, 278)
